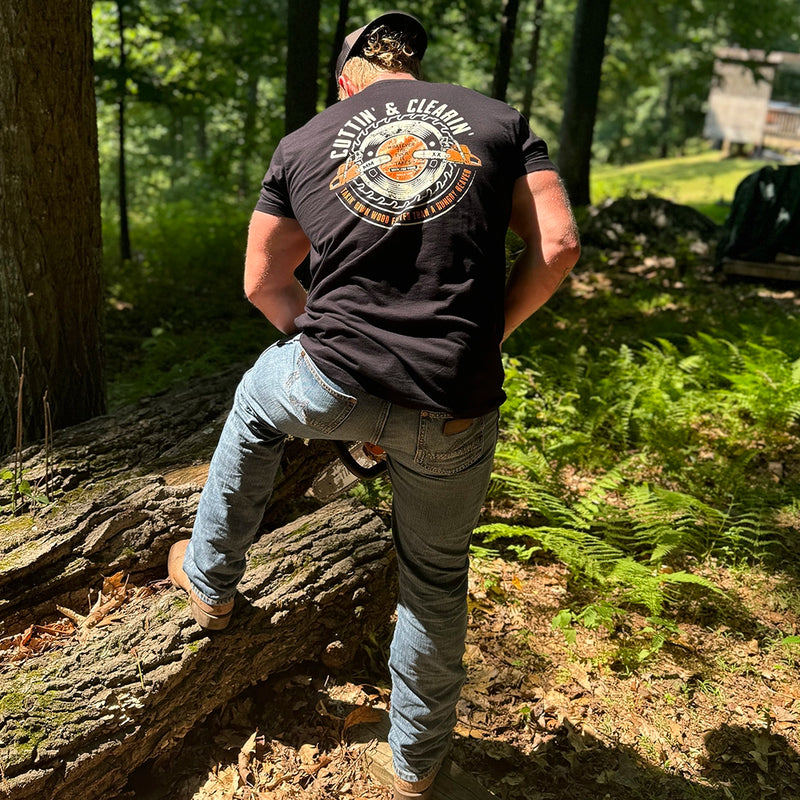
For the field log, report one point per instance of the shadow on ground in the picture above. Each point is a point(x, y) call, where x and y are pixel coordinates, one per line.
point(739, 762)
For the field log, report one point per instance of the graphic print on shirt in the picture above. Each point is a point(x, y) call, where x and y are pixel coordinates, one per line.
point(404, 167)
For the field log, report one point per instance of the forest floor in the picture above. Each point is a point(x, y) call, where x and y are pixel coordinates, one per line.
point(714, 714)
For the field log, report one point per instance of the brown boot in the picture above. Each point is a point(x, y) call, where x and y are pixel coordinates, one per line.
point(418, 790)
point(211, 617)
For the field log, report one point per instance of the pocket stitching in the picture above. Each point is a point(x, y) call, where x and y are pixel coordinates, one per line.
point(437, 462)
point(331, 391)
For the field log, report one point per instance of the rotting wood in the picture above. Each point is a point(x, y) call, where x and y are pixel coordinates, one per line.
point(76, 720)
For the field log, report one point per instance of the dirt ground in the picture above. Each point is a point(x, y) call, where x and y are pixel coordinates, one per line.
point(713, 715)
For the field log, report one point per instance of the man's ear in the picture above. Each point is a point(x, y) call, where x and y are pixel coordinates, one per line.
point(347, 86)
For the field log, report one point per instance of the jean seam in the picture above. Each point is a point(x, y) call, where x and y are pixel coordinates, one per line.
point(381, 422)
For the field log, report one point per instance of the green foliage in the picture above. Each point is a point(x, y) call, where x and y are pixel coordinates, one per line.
point(200, 85)
point(187, 263)
point(628, 462)
point(607, 537)
point(17, 491)
point(177, 309)
point(705, 409)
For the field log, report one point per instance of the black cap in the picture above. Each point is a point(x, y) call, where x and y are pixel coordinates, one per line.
point(396, 20)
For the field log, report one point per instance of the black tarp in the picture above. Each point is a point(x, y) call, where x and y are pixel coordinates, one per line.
point(765, 217)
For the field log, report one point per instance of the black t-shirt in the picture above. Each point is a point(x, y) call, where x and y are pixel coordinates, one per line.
point(404, 191)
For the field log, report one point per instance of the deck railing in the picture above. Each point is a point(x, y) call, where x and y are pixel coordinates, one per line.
point(783, 122)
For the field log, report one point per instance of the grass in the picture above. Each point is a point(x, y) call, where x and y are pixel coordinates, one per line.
point(706, 181)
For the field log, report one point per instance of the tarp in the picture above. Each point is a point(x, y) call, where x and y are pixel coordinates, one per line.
point(765, 217)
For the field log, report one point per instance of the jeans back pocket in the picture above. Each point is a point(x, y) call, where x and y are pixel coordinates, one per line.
point(445, 448)
point(316, 401)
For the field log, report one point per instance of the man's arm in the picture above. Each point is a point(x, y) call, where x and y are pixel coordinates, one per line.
point(541, 216)
point(275, 247)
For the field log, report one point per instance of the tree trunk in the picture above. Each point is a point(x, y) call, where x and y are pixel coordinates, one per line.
point(77, 718)
point(502, 70)
point(50, 247)
point(122, 188)
point(580, 102)
point(338, 40)
point(533, 58)
point(302, 62)
point(250, 115)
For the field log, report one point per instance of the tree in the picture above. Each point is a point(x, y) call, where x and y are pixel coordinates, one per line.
point(508, 27)
point(302, 61)
point(338, 39)
point(533, 57)
point(124, 234)
point(580, 102)
point(50, 279)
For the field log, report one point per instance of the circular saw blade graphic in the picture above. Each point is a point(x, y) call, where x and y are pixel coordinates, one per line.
point(397, 164)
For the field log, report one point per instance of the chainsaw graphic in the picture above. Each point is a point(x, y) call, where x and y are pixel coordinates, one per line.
point(357, 461)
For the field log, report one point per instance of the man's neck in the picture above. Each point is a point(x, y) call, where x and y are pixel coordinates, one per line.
point(392, 76)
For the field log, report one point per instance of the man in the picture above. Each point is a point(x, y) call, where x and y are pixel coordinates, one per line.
point(402, 193)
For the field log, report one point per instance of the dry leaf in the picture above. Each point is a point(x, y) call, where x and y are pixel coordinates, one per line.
point(249, 747)
point(308, 753)
point(243, 761)
point(276, 781)
point(361, 715)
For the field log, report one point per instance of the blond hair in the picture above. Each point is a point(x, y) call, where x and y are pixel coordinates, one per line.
point(386, 50)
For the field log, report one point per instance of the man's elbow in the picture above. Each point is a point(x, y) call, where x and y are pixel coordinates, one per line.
point(251, 290)
point(572, 250)
point(565, 251)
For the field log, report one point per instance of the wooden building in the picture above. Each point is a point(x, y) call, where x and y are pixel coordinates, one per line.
point(755, 100)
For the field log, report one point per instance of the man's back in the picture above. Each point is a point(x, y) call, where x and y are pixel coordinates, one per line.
point(404, 191)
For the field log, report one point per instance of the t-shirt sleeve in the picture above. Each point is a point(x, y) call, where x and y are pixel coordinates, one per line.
point(274, 196)
point(535, 156)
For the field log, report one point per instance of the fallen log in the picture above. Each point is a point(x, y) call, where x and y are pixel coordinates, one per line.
point(125, 488)
point(78, 718)
point(88, 697)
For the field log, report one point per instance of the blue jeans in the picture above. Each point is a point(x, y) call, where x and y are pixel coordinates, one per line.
point(439, 483)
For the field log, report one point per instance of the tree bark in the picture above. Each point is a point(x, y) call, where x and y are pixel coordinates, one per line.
point(581, 99)
point(50, 248)
point(332, 95)
point(533, 58)
point(122, 164)
point(248, 134)
point(75, 721)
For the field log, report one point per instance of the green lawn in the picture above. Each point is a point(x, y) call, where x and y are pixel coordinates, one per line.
point(706, 181)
